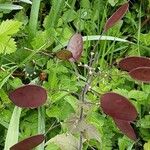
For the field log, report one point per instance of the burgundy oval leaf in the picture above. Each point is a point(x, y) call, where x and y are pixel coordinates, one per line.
point(75, 46)
point(118, 107)
point(29, 143)
point(29, 96)
point(118, 15)
point(126, 128)
point(130, 63)
point(64, 55)
point(141, 74)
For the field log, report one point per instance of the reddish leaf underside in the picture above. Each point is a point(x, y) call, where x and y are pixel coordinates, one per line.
point(64, 55)
point(118, 15)
point(126, 128)
point(141, 74)
point(130, 63)
point(28, 96)
point(118, 107)
point(75, 46)
point(29, 143)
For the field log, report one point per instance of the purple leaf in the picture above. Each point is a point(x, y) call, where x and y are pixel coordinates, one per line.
point(64, 54)
point(118, 107)
point(130, 63)
point(29, 143)
point(126, 128)
point(141, 74)
point(75, 46)
point(28, 96)
point(118, 15)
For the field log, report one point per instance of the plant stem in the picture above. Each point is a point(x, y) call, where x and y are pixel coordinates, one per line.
point(33, 22)
point(93, 59)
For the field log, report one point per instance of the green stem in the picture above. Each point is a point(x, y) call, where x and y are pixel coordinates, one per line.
point(33, 22)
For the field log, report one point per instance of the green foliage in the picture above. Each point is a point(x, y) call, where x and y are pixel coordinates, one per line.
point(28, 42)
point(124, 144)
point(145, 39)
point(147, 146)
point(7, 29)
point(30, 122)
point(65, 141)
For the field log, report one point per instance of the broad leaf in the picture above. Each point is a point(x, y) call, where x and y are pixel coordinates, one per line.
point(126, 128)
point(118, 15)
point(118, 107)
point(141, 74)
point(133, 62)
point(64, 54)
point(7, 45)
point(29, 96)
point(29, 143)
point(9, 27)
point(75, 46)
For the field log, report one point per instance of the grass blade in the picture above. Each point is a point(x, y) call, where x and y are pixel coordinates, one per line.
point(26, 1)
point(10, 7)
point(33, 22)
point(13, 129)
point(92, 38)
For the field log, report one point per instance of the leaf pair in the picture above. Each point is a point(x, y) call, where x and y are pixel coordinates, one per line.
point(74, 49)
point(28, 96)
point(121, 110)
point(138, 68)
